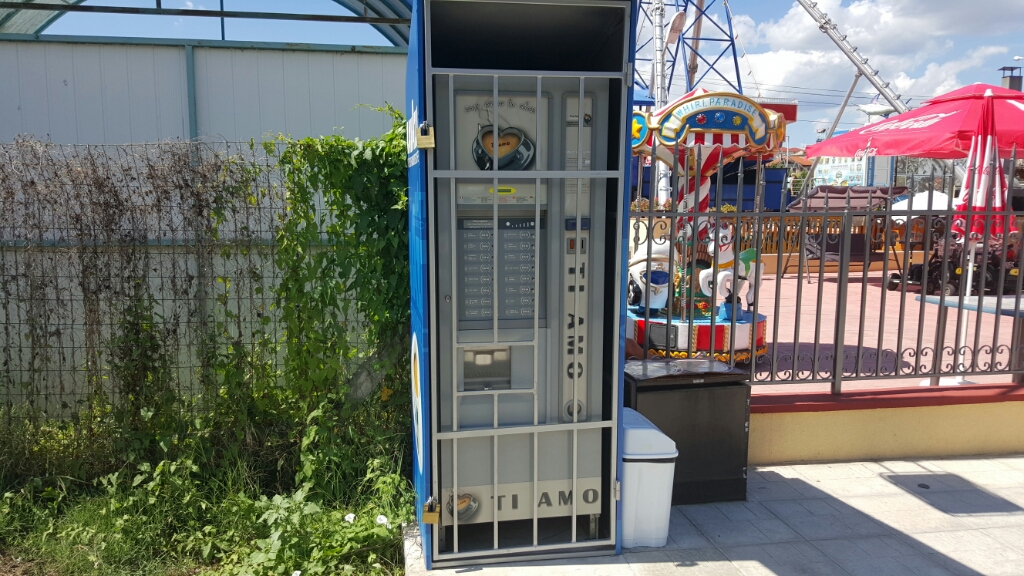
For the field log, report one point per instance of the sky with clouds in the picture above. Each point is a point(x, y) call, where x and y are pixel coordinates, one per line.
point(923, 47)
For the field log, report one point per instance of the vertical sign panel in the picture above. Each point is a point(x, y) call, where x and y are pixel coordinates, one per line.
point(418, 248)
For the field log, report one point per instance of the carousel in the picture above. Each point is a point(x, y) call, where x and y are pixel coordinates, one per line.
point(691, 284)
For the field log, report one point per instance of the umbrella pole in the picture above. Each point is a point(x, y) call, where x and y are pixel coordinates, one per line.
point(962, 336)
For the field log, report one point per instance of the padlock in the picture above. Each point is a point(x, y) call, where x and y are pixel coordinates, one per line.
point(425, 136)
point(431, 512)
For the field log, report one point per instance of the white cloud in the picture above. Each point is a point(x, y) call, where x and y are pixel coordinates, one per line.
point(910, 42)
point(939, 78)
point(913, 26)
point(895, 36)
point(922, 47)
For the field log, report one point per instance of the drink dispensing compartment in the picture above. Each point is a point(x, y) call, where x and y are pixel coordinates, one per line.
point(517, 119)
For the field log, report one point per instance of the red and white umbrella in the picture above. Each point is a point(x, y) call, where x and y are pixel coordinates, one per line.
point(984, 188)
point(943, 127)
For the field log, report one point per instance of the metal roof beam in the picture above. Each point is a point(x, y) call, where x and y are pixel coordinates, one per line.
point(54, 7)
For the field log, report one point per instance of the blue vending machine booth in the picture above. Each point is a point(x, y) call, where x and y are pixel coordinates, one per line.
point(518, 205)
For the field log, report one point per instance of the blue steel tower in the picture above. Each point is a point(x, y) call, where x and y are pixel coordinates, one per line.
point(698, 36)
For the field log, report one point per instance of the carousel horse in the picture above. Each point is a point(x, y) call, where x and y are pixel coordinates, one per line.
point(732, 276)
point(648, 285)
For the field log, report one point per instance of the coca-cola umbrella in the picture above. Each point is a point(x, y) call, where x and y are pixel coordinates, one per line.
point(981, 208)
point(984, 187)
point(942, 127)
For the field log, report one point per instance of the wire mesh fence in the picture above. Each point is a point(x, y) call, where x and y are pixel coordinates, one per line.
point(111, 255)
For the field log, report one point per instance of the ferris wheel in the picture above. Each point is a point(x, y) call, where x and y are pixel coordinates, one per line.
point(695, 34)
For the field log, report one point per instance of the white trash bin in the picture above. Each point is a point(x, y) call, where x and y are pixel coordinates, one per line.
point(648, 463)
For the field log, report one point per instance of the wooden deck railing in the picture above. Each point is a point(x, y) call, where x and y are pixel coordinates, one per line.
point(773, 230)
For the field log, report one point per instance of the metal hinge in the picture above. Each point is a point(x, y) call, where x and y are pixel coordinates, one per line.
point(617, 490)
point(746, 427)
point(744, 471)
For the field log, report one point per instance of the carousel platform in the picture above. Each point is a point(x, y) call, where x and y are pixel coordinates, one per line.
point(713, 335)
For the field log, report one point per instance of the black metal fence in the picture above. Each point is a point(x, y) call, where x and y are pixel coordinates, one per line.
point(846, 287)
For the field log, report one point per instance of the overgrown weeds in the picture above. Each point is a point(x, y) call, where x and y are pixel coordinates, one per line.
point(271, 465)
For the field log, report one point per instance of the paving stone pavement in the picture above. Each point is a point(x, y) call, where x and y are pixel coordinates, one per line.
point(962, 517)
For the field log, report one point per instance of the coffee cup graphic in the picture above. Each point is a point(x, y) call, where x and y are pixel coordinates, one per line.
point(467, 506)
point(514, 150)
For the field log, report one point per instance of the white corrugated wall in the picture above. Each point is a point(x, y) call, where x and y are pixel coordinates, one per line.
point(115, 93)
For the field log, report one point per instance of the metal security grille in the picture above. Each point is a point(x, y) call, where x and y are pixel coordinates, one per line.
point(831, 284)
point(519, 311)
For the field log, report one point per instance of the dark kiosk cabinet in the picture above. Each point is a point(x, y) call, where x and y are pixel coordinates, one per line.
point(704, 405)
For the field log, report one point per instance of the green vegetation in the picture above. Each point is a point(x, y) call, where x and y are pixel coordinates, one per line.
point(276, 466)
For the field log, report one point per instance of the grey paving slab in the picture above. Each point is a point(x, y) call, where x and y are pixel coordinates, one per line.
point(754, 568)
point(865, 526)
point(841, 549)
point(902, 466)
point(780, 553)
point(995, 478)
point(927, 482)
point(1009, 536)
point(683, 534)
point(600, 566)
point(687, 540)
point(960, 517)
point(819, 507)
point(787, 509)
point(703, 513)
point(923, 566)
point(703, 561)
point(967, 465)
point(1011, 494)
point(952, 542)
point(654, 563)
point(733, 533)
point(779, 472)
point(745, 511)
point(835, 471)
point(925, 522)
point(999, 561)
point(875, 567)
point(776, 530)
point(860, 548)
point(876, 486)
point(773, 490)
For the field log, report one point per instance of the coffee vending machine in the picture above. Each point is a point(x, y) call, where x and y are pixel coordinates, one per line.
point(518, 204)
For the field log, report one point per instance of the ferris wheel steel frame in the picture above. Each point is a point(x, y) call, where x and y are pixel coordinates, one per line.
point(692, 47)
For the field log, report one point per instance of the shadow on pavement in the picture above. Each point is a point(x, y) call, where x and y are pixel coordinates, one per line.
point(953, 495)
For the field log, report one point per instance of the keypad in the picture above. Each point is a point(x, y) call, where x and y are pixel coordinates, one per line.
point(516, 268)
